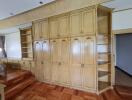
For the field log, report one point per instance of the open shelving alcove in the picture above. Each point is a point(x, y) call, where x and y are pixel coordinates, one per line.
point(104, 49)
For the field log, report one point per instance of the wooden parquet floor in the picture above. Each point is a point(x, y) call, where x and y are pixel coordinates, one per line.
point(22, 85)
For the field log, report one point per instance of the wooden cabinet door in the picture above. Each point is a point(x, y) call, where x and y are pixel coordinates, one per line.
point(55, 55)
point(88, 67)
point(88, 22)
point(53, 27)
point(38, 59)
point(63, 26)
point(88, 50)
point(64, 72)
point(75, 24)
point(46, 59)
point(37, 30)
point(89, 76)
point(45, 32)
point(75, 61)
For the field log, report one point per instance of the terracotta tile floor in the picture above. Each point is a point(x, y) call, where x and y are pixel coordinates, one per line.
point(43, 91)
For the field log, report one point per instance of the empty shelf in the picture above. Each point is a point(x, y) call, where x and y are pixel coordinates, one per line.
point(102, 85)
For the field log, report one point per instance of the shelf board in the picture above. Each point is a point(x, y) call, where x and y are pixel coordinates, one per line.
point(104, 53)
point(26, 34)
point(103, 62)
point(102, 85)
point(103, 73)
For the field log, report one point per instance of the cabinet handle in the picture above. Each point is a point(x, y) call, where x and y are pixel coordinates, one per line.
point(88, 38)
point(76, 39)
point(59, 63)
point(82, 65)
point(44, 42)
point(42, 62)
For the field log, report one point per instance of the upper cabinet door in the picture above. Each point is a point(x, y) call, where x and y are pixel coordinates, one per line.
point(53, 27)
point(45, 32)
point(37, 30)
point(75, 24)
point(55, 50)
point(88, 50)
point(63, 26)
point(46, 50)
point(88, 21)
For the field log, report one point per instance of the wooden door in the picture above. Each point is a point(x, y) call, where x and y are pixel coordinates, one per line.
point(63, 26)
point(53, 27)
point(55, 55)
point(64, 72)
point(75, 24)
point(45, 32)
point(46, 59)
point(88, 62)
point(75, 61)
point(37, 30)
point(88, 22)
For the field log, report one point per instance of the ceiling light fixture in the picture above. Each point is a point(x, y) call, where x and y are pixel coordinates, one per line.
point(40, 2)
point(11, 14)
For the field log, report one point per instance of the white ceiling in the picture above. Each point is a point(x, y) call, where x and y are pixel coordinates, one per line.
point(119, 4)
point(18, 6)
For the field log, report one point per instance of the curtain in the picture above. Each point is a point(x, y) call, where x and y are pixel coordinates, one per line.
point(2, 47)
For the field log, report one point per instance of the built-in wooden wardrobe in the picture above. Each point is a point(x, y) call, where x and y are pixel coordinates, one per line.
point(74, 49)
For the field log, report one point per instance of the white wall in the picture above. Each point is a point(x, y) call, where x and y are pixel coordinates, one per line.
point(122, 20)
point(13, 46)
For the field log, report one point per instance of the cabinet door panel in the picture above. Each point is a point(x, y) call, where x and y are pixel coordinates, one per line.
point(89, 76)
point(76, 75)
point(53, 26)
point(38, 58)
point(64, 59)
point(46, 59)
point(37, 30)
point(46, 50)
point(75, 24)
point(55, 53)
point(88, 22)
point(76, 50)
point(64, 76)
point(75, 61)
point(45, 33)
point(55, 58)
point(47, 71)
point(63, 26)
point(55, 72)
point(88, 50)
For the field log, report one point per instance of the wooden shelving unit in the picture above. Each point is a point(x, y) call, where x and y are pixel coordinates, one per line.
point(103, 46)
point(26, 43)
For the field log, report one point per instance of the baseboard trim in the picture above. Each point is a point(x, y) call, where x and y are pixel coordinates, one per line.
point(124, 71)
